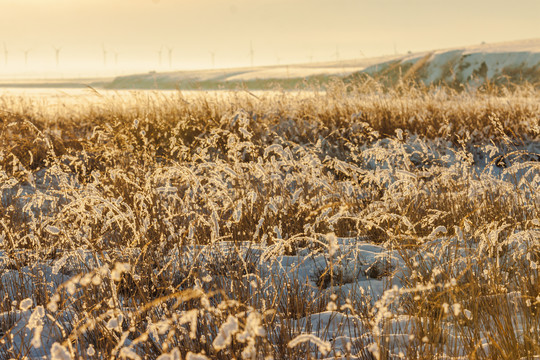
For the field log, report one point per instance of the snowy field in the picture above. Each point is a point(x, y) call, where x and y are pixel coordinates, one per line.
point(337, 225)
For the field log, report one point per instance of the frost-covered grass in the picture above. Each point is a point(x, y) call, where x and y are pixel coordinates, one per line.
point(352, 223)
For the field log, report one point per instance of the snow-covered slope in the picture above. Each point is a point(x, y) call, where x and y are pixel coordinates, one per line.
point(509, 62)
point(216, 77)
point(514, 62)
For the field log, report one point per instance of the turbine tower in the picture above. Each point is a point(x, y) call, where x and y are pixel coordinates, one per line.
point(170, 50)
point(104, 54)
point(57, 54)
point(337, 53)
point(251, 53)
point(5, 54)
point(26, 52)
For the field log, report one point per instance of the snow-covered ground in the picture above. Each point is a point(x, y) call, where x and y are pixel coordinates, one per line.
point(37, 327)
point(439, 240)
point(376, 274)
point(519, 60)
point(360, 257)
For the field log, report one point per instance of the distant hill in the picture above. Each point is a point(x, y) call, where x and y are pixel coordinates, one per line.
point(509, 62)
point(502, 63)
point(287, 76)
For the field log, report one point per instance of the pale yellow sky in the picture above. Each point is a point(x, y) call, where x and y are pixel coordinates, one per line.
point(217, 33)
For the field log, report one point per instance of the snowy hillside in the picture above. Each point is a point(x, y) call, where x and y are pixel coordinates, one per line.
point(509, 62)
point(513, 62)
point(219, 77)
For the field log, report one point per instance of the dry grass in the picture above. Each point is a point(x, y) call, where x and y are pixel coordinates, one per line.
point(203, 196)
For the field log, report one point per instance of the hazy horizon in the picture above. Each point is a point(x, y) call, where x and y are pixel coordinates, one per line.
point(66, 38)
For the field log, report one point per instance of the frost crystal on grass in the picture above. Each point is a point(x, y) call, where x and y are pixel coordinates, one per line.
point(128, 353)
point(53, 230)
point(26, 304)
point(238, 212)
point(71, 287)
point(456, 308)
point(112, 324)
point(215, 224)
point(226, 332)
point(323, 346)
point(331, 306)
point(36, 323)
point(445, 307)
point(96, 279)
point(253, 328)
point(53, 304)
point(332, 244)
point(58, 265)
point(173, 355)
point(373, 348)
point(90, 351)
point(119, 268)
point(115, 323)
point(58, 352)
point(399, 134)
point(439, 230)
point(190, 317)
point(192, 356)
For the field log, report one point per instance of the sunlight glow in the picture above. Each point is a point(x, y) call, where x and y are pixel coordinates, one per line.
point(60, 38)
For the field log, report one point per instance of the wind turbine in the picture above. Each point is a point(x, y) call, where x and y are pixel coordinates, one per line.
point(5, 54)
point(336, 54)
point(170, 50)
point(26, 56)
point(251, 52)
point(57, 54)
point(104, 54)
